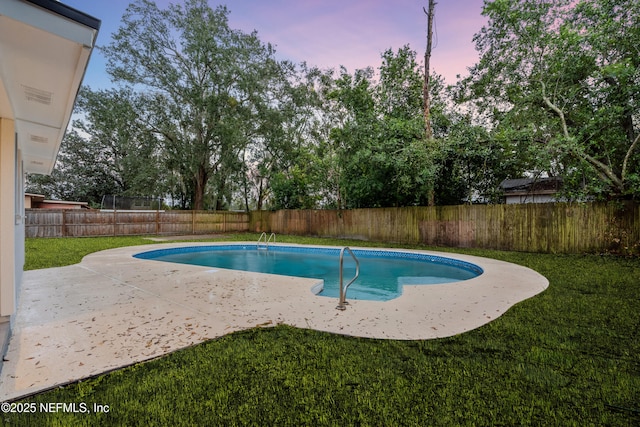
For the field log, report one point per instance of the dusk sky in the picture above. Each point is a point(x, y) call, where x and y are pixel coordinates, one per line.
point(329, 33)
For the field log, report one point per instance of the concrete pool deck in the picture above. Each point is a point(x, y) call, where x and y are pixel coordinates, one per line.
point(112, 310)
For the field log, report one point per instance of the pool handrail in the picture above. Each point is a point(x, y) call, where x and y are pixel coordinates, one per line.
point(342, 303)
point(267, 241)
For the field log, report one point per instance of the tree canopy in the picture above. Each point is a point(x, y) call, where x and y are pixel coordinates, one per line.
point(561, 80)
point(207, 117)
point(210, 88)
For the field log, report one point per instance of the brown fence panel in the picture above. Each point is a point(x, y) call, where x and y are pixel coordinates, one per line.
point(545, 227)
point(78, 223)
point(548, 227)
point(175, 222)
point(135, 223)
point(260, 221)
point(235, 221)
point(46, 223)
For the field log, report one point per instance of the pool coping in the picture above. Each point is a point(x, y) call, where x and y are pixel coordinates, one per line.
point(112, 310)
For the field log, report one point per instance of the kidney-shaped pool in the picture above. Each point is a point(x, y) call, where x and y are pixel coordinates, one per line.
point(382, 273)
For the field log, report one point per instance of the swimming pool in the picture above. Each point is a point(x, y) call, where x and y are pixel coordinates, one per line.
point(383, 273)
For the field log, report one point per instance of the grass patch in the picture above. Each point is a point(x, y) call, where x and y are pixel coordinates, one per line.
point(566, 357)
point(58, 252)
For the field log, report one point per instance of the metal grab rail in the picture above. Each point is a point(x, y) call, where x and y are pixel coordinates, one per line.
point(343, 289)
point(260, 239)
point(266, 241)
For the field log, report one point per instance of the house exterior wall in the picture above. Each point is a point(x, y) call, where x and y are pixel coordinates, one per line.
point(511, 199)
point(9, 248)
point(30, 130)
point(47, 204)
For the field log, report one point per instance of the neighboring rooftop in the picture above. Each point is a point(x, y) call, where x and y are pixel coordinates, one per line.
point(532, 184)
point(531, 190)
point(38, 201)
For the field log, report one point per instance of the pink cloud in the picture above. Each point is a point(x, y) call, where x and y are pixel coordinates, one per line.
point(354, 33)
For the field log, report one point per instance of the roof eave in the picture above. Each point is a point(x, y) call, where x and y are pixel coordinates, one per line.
point(45, 48)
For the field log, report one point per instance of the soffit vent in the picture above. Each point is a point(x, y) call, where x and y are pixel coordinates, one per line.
point(39, 139)
point(37, 95)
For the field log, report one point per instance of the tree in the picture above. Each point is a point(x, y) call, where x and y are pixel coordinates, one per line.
point(382, 152)
point(562, 79)
point(205, 84)
point(107, 151)
point(353, 135)
point(281, 164)
point(113, 125)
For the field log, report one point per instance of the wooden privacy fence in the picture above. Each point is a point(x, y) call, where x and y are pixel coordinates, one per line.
point(548, 227)
point(78, 223)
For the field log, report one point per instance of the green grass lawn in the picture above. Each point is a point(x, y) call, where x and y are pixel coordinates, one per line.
point(567, 357)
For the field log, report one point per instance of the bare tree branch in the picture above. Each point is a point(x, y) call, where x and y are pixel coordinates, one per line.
point(603, 169)
point(627, 156)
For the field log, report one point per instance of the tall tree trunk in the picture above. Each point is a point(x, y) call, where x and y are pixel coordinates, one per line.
point(427, 60)
point(220, 195)
point(260, 194)
point(425, 90)
point(200, 181)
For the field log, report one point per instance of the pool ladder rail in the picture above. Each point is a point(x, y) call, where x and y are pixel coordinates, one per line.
point(265, 245)
point(342, 303)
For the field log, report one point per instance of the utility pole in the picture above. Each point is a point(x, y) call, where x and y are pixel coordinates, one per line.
point(427, 59)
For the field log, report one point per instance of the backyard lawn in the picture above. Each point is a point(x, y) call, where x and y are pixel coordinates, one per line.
point(567, 357)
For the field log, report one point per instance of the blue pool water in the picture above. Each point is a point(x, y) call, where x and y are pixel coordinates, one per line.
point(382, 273)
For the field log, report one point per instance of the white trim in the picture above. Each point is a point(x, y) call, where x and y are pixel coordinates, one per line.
point(47, 21)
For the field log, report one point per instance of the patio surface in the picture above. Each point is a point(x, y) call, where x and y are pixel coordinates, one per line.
point(113, 310)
